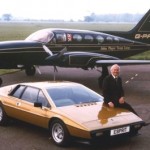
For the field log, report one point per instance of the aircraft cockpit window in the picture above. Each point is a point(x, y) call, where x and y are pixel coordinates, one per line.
point(42, 36)
point(88, 38)
point(100, 39)
point(77, 37)
point(109, 39)
point(61, 37)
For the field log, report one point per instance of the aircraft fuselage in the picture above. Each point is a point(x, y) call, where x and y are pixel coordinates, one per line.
point(28, 52)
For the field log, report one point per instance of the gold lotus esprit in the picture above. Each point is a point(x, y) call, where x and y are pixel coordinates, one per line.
point(67, 109)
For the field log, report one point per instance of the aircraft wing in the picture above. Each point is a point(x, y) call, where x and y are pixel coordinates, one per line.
point(88, 59)
point(122, 62)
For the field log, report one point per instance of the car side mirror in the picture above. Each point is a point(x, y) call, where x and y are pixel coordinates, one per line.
point(37, 104)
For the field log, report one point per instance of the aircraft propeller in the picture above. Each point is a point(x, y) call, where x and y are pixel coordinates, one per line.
point(54, 57)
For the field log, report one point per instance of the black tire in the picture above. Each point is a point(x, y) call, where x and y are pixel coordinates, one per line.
point(1, 81)
point(59, 133)
point(133, 133)
point(3, 116)
point(30, 71)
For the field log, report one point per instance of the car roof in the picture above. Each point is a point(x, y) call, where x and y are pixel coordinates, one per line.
point(45, 84)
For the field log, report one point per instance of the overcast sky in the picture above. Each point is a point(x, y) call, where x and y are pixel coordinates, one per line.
point(70, 9)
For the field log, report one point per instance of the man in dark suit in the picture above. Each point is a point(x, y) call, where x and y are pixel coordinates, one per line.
point(113, 91)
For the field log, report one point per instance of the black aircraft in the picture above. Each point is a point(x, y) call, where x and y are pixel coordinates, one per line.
point(76, 48)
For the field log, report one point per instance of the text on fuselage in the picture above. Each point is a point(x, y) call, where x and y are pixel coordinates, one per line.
point(113, 48)
point(142, 36)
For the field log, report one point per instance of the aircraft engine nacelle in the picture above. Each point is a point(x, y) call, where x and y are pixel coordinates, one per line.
point(78, 59)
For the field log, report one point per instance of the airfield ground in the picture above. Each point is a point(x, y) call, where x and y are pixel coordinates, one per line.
point(136, 81)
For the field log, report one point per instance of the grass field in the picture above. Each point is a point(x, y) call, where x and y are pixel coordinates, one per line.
point(20, 30)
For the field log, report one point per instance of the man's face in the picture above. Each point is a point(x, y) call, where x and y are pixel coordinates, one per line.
point(115, 71)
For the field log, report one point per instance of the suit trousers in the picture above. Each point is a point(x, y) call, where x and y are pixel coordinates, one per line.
point(126, 106)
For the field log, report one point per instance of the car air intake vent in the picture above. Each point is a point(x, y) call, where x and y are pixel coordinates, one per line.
point(86, 104)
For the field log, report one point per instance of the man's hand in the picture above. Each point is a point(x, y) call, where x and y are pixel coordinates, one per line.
point(121, 100)
point(111, 104)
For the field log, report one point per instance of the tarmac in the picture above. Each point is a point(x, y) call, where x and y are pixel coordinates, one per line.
point(136, 81)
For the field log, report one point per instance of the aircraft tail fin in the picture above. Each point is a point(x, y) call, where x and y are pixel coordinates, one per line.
point(141, 32)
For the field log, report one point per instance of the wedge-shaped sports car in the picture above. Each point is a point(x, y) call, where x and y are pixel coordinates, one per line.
point(67, 109)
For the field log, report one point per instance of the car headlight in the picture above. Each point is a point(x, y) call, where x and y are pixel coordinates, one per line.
point(137, 126)
point(98, 134)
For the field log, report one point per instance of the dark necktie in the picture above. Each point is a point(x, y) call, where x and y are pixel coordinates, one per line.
point(116, 79)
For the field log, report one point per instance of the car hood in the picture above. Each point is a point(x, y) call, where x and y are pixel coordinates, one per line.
point(97, 115)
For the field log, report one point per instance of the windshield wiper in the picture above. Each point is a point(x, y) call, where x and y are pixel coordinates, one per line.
point(90, 101)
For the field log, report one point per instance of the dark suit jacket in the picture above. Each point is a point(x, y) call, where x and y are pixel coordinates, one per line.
point(112, 90)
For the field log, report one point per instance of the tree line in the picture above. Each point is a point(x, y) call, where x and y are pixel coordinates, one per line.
point(126, 17)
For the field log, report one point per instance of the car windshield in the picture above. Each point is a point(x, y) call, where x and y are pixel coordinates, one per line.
point(43, 36)
point(70, 95)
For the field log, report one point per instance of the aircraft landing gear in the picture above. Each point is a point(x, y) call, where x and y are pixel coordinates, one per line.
point(103, 75)
point(1, 81)
point(30, 70)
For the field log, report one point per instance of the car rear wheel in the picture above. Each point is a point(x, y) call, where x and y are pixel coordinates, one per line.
point(3, 116)
point(59, 133)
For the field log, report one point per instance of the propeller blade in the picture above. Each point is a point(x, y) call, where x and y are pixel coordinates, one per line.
point(47, 50)
point(62, 52)
point(55, 69)
point(37, 68)
point(56, 56)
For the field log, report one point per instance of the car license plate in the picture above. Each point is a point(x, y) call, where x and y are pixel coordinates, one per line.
point(120, 130)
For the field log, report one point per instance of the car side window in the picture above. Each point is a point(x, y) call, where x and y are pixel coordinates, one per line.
point(30, 94)
point(18, 91)
point(42, 99)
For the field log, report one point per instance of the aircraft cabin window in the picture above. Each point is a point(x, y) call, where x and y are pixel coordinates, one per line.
point(116, 40)
point(77, 37)
point(30, 94)
point(61, 37)
point(100, 39)
point(109, 39)
point(53, 41)
point(88, 38)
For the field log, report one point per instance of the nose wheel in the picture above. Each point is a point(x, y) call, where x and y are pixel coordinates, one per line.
point(30, 70)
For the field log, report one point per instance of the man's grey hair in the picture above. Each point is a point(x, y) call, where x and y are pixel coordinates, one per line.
point(115, 66)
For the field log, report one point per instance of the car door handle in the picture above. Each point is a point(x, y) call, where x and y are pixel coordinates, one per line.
point(18, 103)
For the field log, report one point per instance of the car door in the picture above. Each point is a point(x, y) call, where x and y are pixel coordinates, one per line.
point(31, 113)
point(21, 105)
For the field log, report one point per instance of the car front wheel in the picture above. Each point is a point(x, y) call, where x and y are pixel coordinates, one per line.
point(59, 133)
point(3, 116)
